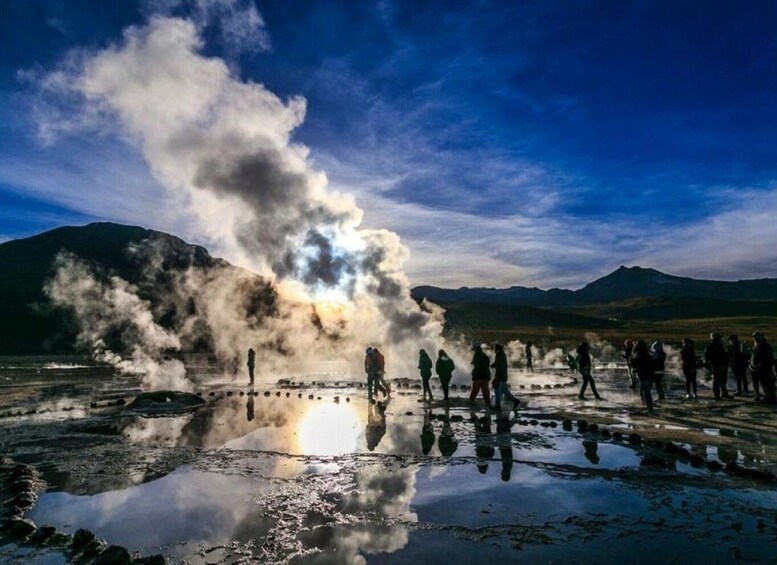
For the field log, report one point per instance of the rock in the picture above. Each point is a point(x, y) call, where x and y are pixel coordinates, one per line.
point(211, 394)
point(229, 393)
point(533, 422)
point(267, 393)
point(165, 402)
point(311, 397)
point(545, 424)
point(199, 393)
point(151, 560)
point(42, 534)
point(408, 413)
point(19, 527)
point(697, 460)
point(121, 402)
point(457, 418)
point(93, 548)
point(671, 448)
point(714, 466)
point(288, 394)
point(92, 405)
point(654, 461)
point(82, 537)
point(59, 539)
point(605, 432)
point(299, 395)
point(617, 436)
point(22, 485)
point(582, 426)
point(593, 428)
point(22, 471)
point(241, 393)
point(635, 438)
point(733, 468)
point(347, 398)
point(25, 500)
point(113, 555)
point(554, 424)
point(567, 424)
point(278, 393)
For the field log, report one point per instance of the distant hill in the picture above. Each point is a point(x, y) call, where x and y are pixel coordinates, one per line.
point(29, 322)
point(622, 284)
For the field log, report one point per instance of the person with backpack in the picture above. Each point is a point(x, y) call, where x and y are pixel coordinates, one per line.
point(444, 368)
point(738, 362)
point(659, 367)
point(716, 357)
point(500, 378)
point(584, 365)
point(643, 365)
point(425, 367)
point(481, 374)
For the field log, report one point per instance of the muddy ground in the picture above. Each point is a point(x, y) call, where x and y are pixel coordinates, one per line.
point(308, 471)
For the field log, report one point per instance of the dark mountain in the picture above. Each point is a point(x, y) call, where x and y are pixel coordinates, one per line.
point(622, 284)
point(30, 324)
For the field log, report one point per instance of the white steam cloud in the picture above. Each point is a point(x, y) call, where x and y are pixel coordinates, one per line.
point(221, 147)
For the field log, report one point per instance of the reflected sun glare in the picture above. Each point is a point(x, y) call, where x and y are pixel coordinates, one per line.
point(329, 430)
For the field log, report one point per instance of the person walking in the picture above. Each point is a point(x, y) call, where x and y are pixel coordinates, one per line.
point(529, 354)
point(425, 367)
point(659, 366)
point(690, 363)
point(380, 372)
point(628, 349)
point(584, 365)
point(762, 367)
point(444, 368)
point(500, 378)
point(716, 357)
point(481, 374)
point(738, 362)
point(251, 364)
point(643, 362)
point(370, 367)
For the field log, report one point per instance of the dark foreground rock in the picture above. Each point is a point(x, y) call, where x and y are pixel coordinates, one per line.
point(165, 401)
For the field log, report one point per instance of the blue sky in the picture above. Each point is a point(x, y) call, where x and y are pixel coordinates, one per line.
point(507, 143)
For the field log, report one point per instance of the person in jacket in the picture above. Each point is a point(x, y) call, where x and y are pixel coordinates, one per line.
point(380, 371)
point(251, 363)
point(642, 362)
point(584, 365)
point(738, 363)
point(690, 363)
point(716, 357)
point(762, 368)
point(500, 379)
point(444, 368)
point(371, 368)
point(529, 355)
point(481, 374)
point(425, 367)
point(628, 349)
point(659, 367)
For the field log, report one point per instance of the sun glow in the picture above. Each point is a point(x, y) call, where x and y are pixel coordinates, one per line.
point(329, 430)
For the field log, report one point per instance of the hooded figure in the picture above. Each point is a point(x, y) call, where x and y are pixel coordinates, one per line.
point(643, 365)
point(659, 366)
point(444, 368)
point(481, 374)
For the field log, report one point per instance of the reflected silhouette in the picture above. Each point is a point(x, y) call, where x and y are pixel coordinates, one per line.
point(484, 447)
point(591, 451)
point(250, 405)
point(427, 433)
point(376, 424)
point(504, 441)
point(447, 441)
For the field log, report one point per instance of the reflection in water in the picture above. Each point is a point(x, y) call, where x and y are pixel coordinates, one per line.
point(505, 442)
point(250, 405)
point(484, 447)
point(427, 433)
point(447, 442)
point(329, 429)
point(591, 451)
point(376, 423)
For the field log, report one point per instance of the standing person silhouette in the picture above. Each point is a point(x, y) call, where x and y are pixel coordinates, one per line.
point(251, 364)
point(529, 365)
point(380, 371)
point(500, 378)
point(444, 368)
point(584, 365)
point(481, 374)
point(425, 366)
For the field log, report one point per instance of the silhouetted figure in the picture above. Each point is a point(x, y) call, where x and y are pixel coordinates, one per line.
point(642, 362)
point(380, 371)
point(659, 366)
point(250, 405)
point(425, 367)
point(484, 448)
point(762, 368)
point(376, 424)
point(481, 374)
point(427, 433)
point(716, 357)
point(370, 368)
point(591, 448)
point(500, 378)
point(628, 349)
point(584, 365)
point(251, 364)
point(738, 362)
point(690, 367)
point(447, 441)
point(444, 368)
point(529, 364)
point(504, 442)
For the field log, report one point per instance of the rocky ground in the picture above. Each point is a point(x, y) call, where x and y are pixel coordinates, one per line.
point(308, 470)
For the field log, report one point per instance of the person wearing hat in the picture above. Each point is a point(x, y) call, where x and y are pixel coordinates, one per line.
point(716, 357)
point(738, 363)
point(762, 367)
point(481, 374)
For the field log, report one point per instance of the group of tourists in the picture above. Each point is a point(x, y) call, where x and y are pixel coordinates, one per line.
point(647, 365)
